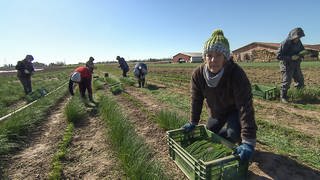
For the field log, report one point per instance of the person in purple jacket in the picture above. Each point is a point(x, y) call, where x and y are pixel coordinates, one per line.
point(25, 71)
point(123, 65)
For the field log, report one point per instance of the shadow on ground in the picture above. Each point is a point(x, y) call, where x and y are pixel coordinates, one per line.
point(279, 167)
point(153, 87)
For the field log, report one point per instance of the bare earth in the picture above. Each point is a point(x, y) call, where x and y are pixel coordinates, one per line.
point(34, 162)
point(265, 164)
point(91, 155)
point(153, 135)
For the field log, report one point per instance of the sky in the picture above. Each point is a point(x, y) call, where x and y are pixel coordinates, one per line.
point(71, 31)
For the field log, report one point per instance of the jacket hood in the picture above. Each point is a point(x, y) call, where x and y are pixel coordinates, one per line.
point(295, 33)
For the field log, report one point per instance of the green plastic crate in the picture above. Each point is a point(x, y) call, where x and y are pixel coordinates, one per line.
point(265, 92)
point(34, 95)
point(228, 167)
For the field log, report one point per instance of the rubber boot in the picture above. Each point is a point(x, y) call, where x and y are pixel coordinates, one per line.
point(283, 97)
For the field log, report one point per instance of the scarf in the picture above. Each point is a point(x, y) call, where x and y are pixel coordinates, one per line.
point(212, 79)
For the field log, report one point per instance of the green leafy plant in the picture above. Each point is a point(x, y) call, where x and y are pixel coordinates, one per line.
point(75, 110)
point(134, 154)
point(170, 120)
point(127, 80)
point(61, 152)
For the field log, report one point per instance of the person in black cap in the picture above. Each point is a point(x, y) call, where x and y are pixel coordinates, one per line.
point(24, 72)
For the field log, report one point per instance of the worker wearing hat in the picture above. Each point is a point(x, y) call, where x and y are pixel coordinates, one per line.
point(227, 91)
point(24, 72)
point(81, 75)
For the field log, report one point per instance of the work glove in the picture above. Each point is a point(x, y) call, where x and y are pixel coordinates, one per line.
point(245, 151)
point(295, 57)
point(26, 71)
point(188, 127)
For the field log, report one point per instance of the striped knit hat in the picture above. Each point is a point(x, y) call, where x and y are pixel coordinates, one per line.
point(218, 43)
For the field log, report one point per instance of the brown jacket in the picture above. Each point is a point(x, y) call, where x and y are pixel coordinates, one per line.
point(232, 93)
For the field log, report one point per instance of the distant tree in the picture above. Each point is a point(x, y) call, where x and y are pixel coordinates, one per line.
point(58, 63)
point(39, 65)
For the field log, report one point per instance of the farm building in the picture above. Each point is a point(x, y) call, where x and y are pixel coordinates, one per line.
point(266, 52)
point(187, 57)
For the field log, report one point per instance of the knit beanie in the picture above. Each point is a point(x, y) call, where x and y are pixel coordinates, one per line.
point(218, 43)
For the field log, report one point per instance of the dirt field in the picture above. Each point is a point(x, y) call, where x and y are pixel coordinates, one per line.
point(90, 154)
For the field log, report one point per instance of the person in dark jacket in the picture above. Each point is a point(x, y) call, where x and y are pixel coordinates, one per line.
point(290, 60)
point(90, 64)
point(82, 75)
point(140, 71)
point(123, 65)
point(24, 72)
point(227, 91)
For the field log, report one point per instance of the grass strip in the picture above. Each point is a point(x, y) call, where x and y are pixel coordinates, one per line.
point(290, 142)
point(98, 83)
point(12, 92)
point(61, 152)
point(128, 81)
point(74, 112)
point(169, 120)
point(15, 130)
point(134, 154)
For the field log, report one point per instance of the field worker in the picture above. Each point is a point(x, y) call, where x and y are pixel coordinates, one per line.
point(227, 91)
point(82, 75)
point(123, 65)
point(25, 71)
point(290, 61)
point(140, 71)
point(90, 64)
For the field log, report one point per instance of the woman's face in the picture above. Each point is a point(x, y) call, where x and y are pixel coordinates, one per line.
point(215, 61)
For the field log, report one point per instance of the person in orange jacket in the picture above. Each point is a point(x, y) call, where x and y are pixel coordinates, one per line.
point(82, 75)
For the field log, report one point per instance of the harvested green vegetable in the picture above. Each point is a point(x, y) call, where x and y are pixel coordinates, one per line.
point(207, 150)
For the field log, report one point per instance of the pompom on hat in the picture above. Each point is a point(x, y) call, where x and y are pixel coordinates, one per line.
point(218, 43)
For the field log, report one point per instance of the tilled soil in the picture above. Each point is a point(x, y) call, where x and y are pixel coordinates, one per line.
point(91, 155)
point(265, 164)
point(304, 121)
point(153, 135)
point(34, 162)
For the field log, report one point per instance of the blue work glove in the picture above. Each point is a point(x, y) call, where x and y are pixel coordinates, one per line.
point(188, 127)
point(245, 151)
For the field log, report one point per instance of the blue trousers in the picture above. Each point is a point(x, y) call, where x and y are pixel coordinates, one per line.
point(228, 127)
